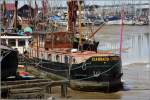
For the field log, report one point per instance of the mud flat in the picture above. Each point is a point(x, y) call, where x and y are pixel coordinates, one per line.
point(136, 86)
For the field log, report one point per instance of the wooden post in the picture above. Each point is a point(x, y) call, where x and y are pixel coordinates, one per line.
point(31, 53)
point(15, 22)
point(26, 43)
point(16, 43)
point(7, 41)
point(37, 46)
point(49, 89)
point(64, 90)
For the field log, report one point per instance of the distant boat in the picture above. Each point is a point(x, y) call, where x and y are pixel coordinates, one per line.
point(16, 41)
point(112, 18)
point(119, 22)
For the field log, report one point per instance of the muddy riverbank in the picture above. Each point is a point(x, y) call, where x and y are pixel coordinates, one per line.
point(136, 87)
point(135, 60)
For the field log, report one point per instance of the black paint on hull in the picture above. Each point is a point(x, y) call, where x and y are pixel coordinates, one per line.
point(9, 63)
point(89, 86)
point(106, 73)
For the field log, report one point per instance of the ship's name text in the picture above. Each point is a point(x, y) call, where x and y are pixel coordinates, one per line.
point(100, 59)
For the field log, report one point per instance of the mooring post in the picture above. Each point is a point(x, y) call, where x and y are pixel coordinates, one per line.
point(64, 90)
point(49, 89)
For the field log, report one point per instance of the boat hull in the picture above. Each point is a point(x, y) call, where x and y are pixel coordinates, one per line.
point(95, 74)
point(89, 86)
point(9, 63)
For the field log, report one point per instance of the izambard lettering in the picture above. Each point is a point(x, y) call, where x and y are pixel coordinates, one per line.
point(100, 59)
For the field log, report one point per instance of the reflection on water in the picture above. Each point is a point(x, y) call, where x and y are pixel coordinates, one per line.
point(136, 47)
point(137, 82)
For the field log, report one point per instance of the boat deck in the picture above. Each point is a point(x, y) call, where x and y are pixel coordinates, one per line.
point(78, 55)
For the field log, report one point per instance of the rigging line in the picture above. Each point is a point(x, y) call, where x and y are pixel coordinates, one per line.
point(7, 53)
point(122, 28)
point(51, 69)
point(40, 62)
point(84, 63)
point(96, 30)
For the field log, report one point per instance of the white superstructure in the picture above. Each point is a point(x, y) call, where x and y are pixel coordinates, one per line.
point(19, 42)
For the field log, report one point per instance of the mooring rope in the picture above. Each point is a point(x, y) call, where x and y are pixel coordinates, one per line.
point(7, 53)
point(52, 69)
point(84, 63)
point(99, 73)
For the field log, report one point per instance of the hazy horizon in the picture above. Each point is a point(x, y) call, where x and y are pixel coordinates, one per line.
point(62, 3)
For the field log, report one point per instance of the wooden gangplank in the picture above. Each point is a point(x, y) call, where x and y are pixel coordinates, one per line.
point(28, 89)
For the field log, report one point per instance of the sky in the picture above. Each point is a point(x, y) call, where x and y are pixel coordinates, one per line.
point(62, 3)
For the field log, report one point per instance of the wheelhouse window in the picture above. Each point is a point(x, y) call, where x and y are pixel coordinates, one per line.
point(21, 42)
point(12, 42)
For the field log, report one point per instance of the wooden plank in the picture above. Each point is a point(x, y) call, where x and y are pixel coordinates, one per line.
point(64, 90)
point(29, 85)
point(26, 90)
point(25, 81)
point(60, 82)
point(35, 95)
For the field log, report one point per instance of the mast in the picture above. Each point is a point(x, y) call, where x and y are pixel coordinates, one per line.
point(15, 15)
point(4, 14)
point(72, 14)
point(80, 27)
point(30, 11)
point(44, 8)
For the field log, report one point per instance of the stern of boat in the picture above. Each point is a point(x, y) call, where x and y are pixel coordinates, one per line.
point(97, 73)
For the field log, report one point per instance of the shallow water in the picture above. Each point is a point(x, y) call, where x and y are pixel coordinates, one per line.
point(136, 42)
point(136, 87)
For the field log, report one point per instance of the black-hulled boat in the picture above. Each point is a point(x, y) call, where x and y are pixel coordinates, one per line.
point(9, 62)
point(78, 61)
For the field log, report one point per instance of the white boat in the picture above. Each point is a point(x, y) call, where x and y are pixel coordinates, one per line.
point(20, 43)
point(119, 22)
point(139, 23)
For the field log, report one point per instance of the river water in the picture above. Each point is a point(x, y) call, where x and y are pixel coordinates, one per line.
point(136, 42)
point(135, 60)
